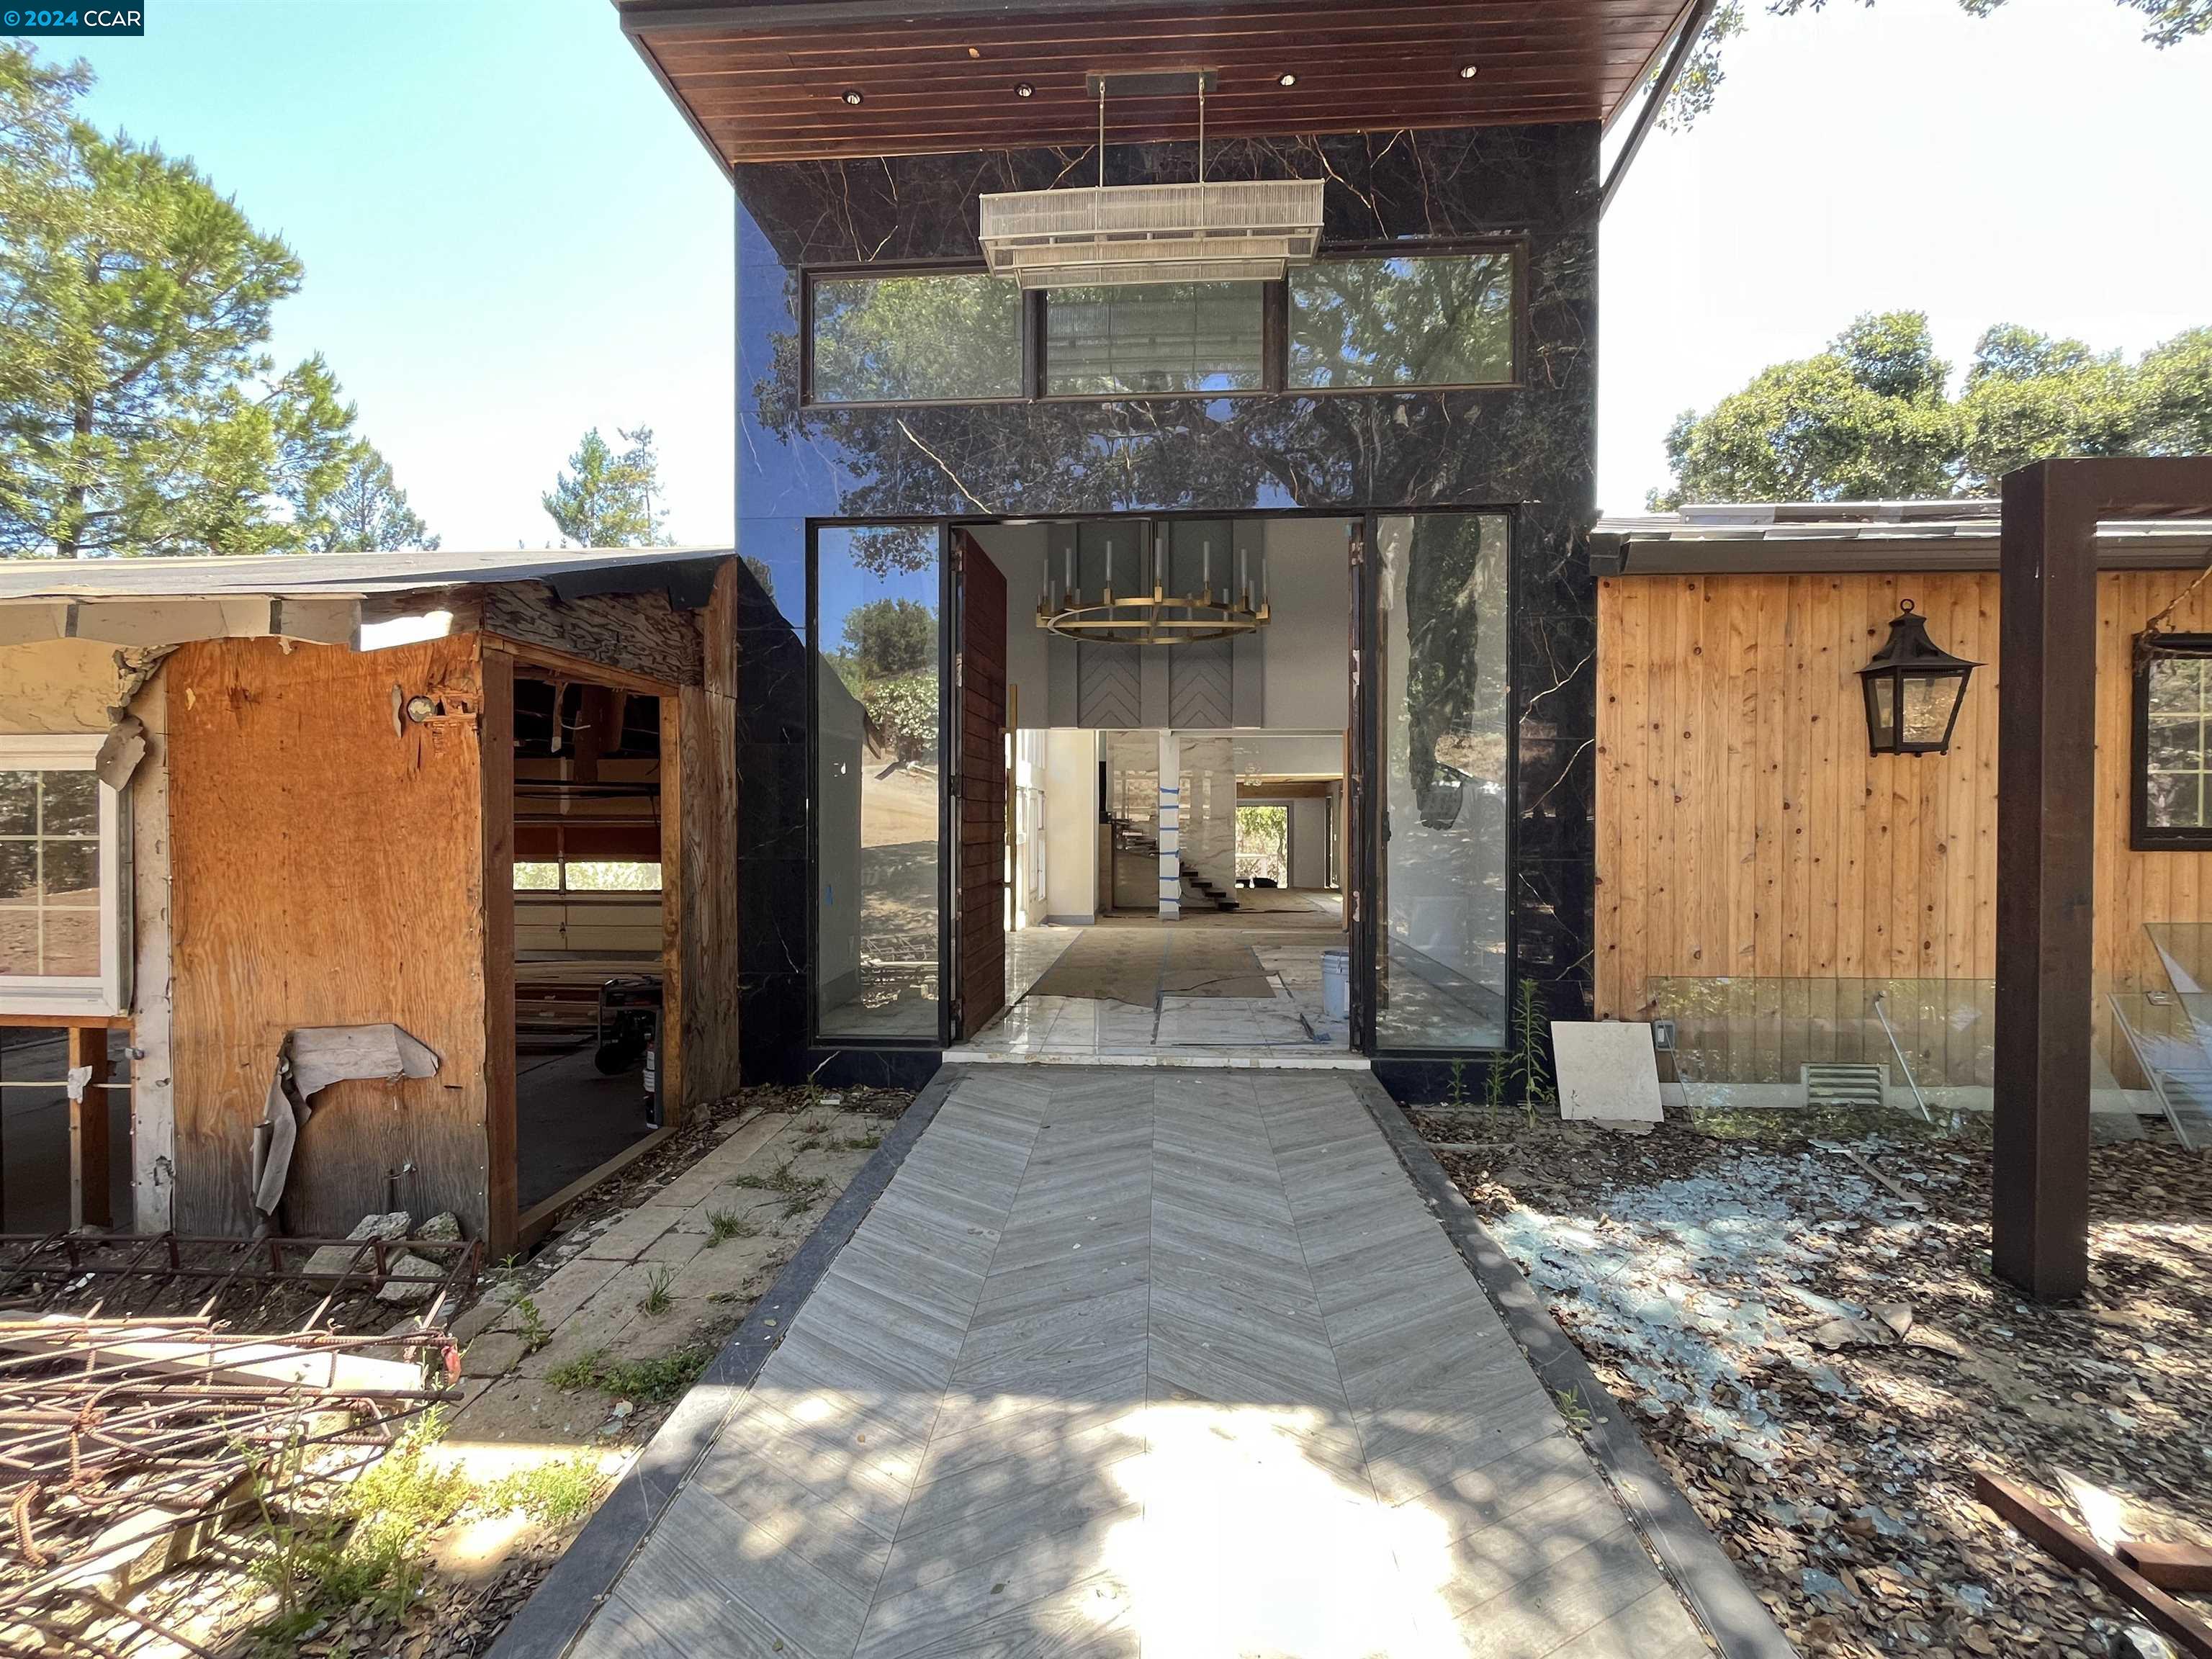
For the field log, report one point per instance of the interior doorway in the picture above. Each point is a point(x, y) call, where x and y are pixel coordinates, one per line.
point(589, 934)
point(1178, 809)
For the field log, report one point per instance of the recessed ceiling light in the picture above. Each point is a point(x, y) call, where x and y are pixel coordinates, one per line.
point(851, 95)
point(1467, 71)
point(1286, 79)
point(1023, 90)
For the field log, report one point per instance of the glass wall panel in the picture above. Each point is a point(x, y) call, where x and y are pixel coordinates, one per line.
point(896, 339)
point(879, 780)
point(1132, 813)
point(1439, 320)
point(1153, 336)
point(1441, 976)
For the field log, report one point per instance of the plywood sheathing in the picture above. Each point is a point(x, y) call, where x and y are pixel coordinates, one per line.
point(328, 869)
point(1743, 829)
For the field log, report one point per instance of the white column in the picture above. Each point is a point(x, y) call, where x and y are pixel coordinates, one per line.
point(1170, 826)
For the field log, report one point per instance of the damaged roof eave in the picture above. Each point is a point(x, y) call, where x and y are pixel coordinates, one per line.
point(323, 599)
point(567, 571)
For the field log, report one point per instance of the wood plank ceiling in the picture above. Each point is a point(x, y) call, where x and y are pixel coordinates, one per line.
point(769, 81)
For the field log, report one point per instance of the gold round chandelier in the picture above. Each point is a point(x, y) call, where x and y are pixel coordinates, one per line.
point(1153, 614)
point(1159, 618)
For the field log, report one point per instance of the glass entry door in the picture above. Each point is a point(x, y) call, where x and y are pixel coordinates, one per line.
point(1435, 676)
point(879, 796)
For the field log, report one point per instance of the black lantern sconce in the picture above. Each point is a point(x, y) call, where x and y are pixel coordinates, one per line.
point(1914, 689)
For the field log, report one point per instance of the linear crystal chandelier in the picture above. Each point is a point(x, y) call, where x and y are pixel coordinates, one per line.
point(1248, 230)
point(1146, 612)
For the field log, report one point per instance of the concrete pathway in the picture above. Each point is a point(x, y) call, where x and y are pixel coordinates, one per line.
point(1130, 1362)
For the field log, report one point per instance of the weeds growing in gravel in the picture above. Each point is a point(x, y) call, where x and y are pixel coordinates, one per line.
point(723, 1225)
point(554, 1494)
point(363, 1547)
point(648, 1382)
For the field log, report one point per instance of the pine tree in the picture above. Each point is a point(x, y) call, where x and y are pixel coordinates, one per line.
point(606, 499)
point(139, 412)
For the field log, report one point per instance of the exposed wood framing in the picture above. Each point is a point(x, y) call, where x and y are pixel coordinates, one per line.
point(496, 820)
point(153, 1096)
point(639, 634)
point(700, 863)
point(90, 1154)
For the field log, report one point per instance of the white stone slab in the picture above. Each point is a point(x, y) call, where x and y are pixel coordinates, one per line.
point(1607, 1069)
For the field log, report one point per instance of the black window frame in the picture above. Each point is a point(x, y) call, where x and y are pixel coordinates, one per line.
point(1274, 341)
point(1272, 352)
point(2142, 835)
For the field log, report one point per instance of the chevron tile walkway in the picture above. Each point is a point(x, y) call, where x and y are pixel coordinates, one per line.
point(1153, 1363)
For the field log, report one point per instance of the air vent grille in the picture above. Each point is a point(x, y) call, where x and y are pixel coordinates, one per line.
point(1837, 1085)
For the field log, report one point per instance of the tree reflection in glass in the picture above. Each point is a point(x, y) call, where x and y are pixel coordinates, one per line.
point(877, 782)
point(893, 339)
point(1441, 976)
point(1444, 319)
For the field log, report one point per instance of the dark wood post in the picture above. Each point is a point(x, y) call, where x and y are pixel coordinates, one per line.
point(89, 1151)
point(2046, 854)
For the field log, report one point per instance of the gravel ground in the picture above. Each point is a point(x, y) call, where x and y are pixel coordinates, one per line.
point(1822, 1365)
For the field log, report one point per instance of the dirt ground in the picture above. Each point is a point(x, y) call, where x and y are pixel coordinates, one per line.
point(1800, 1317)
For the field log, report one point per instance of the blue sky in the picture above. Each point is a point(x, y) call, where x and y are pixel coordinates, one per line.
point(510, 235)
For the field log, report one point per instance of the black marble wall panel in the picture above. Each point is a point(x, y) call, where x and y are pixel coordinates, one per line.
point(1531, 447)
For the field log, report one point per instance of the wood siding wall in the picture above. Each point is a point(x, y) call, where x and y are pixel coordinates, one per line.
point(328, 870)
point(1743, 829)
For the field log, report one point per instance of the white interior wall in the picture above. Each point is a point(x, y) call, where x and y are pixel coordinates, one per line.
point(1291, 754)
point(1309, 842)
point(1018, 551)
point(1071, 824)
point(1306, 661)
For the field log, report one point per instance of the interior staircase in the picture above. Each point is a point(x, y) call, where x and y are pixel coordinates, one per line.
point(1132, 837)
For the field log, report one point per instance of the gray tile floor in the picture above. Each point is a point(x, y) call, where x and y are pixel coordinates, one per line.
point(1291, 1027)
point(1145, 1362)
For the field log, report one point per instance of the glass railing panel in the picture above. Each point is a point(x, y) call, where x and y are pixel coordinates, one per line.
point(1747, 1042)
point(2169, 1035)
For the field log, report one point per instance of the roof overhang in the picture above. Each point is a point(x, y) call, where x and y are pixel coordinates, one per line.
point(328, 598)
point(765, 81)
point(1833, 538)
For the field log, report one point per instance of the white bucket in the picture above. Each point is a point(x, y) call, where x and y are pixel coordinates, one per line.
point(1336, 983)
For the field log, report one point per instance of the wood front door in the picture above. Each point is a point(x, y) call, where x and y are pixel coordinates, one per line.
point(979, 828)
point(1359, 865)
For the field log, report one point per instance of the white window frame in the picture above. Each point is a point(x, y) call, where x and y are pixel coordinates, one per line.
point(107, 992)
